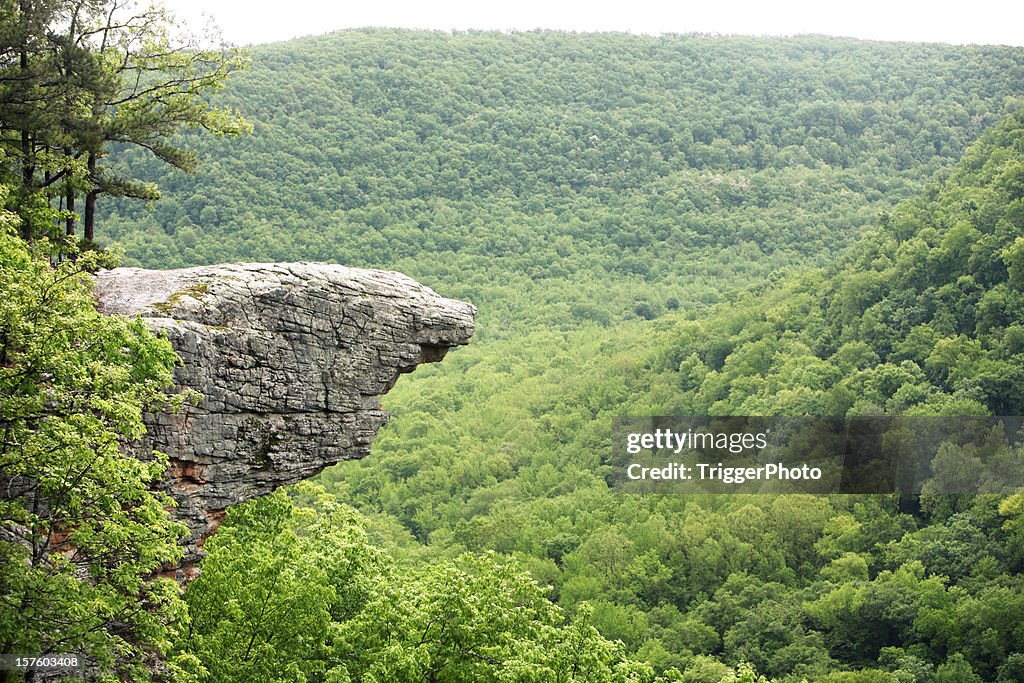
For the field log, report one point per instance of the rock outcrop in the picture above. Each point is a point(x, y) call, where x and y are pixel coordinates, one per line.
point(291, 361)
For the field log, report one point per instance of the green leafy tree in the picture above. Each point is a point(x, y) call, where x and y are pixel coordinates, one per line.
point(80, 75)
point(278, 582)
point(160, 84)
point(295, 592)
point(81, 531)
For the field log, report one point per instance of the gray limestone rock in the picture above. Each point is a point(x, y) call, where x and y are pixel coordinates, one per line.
point(291, 360)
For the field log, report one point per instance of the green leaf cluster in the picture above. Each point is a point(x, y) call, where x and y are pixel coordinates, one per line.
point(293, 591)
point(79, 76)
point(82, 528)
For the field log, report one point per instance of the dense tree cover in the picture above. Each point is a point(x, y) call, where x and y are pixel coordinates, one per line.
point(561, 178)
point(922, 316)
point(591, 184)
point(81, 531)
point(294, 592)
point(504, 448)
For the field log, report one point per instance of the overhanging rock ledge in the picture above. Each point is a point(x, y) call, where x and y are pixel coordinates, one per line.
point(291, 360)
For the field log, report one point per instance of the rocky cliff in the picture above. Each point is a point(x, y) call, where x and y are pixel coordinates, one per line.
point(291, 361)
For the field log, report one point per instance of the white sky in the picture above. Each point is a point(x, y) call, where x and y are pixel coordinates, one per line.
point(982, 21)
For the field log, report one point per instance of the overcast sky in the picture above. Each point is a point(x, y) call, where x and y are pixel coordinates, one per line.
point(981, 21)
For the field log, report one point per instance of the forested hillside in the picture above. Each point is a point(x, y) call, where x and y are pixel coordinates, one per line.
point(615, 205)
point(603, 176)
point(505, 451)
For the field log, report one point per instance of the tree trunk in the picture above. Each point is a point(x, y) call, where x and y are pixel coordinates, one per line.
point(90, 214)
point(70, 230)
point(27, 167)
point(89, 220)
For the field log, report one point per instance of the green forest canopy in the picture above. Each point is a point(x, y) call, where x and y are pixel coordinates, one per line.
point(503, 448)
point(561, 179)
point(564, 181)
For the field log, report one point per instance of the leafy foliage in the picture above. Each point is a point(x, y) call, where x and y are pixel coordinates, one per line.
point(563, 180)
point(77, 76)
point(502, 449)
point(602, 199)
point(294, 592)
point(81, 531)
point(921, 316)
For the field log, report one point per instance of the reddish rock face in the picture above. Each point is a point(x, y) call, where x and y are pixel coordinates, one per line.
point(291, 361)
